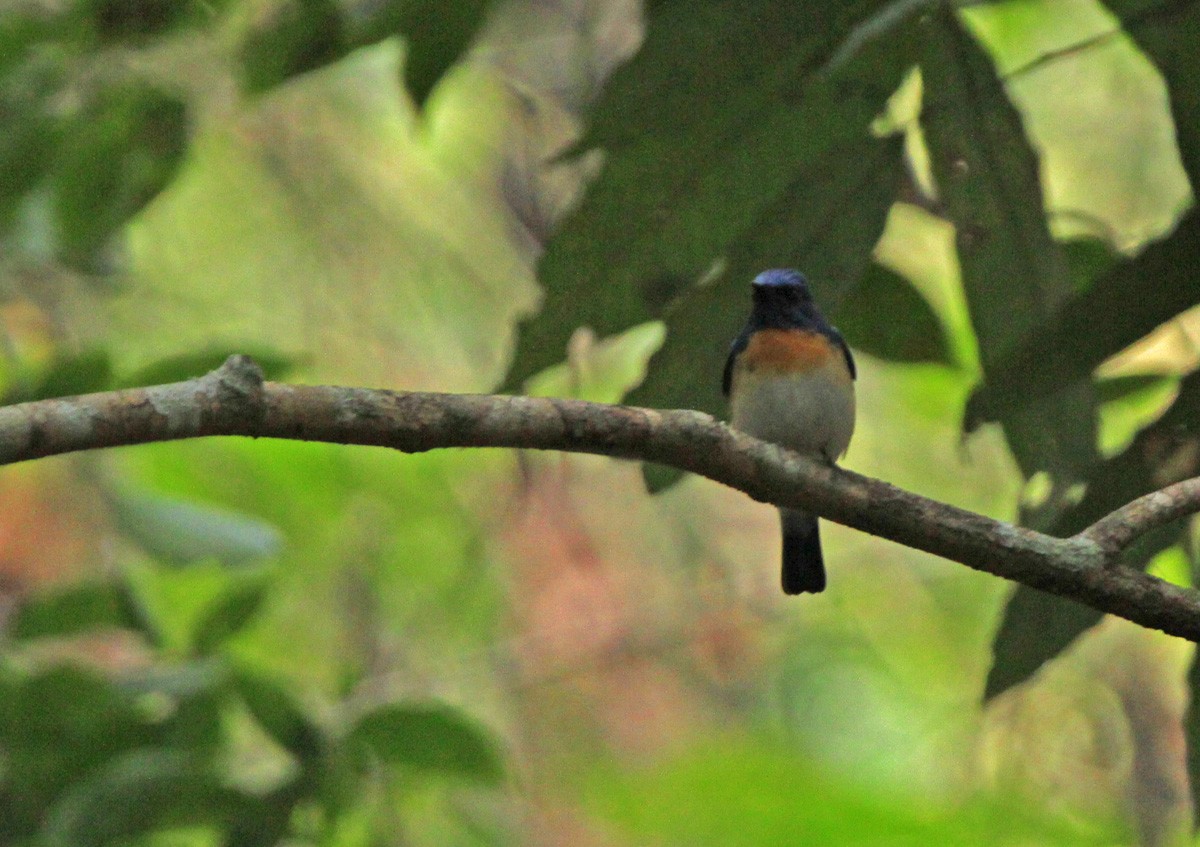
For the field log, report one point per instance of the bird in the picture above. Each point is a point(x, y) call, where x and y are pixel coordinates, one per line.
point(790, 379)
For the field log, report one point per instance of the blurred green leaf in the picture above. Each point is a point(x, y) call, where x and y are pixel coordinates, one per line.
point(660, 477)
point(1014, 273)
point(733, 794)
point(188, 365)
point(70, 611)
point(430, 738)
point(1130, 300)
point(133, 794)
point(139, 20)
point(705, 179)
point(181, 532)
point(1118, 388)
point(115, 158)
point(884, 316)
point(436, 33)
point(32, 128)
point(1137, 295)
point(277, 711)
point(65, 376)
point(79, 374)
point(56, 726)
point(135, 613)
point(1167, 31)
point(1087, 260)
point(192, 698)
point(294, 36)
point(232, 612)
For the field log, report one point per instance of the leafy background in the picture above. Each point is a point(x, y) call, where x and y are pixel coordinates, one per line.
point(262, 643)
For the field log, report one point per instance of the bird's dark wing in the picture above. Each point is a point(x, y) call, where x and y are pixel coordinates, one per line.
point(841, 342)
point(739, 344)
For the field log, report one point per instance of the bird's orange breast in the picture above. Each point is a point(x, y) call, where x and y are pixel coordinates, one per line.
point(787, 351)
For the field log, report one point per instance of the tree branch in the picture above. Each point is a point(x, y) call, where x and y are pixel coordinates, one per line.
point(234, 400)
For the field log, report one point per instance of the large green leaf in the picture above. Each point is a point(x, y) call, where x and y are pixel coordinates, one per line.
point(232, 612)
point(1136, 296)
point(430, 738)
point(1124, 304)
point(732, 793)
point(135, 793)
point(279, 714)
point(32, 128)
point(715, 138)
point(292, 37)
point(71, 611)
point(56, 726)
point(179, 531)
point(117, 156)
point(1015, 274)
point(1168, 30)
point(883, 315)
point(303, 35)
point(436, 33)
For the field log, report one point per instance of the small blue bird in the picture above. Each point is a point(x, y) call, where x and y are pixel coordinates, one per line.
point(790, 380)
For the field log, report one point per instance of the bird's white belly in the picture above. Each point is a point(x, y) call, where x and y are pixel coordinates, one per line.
point(810, 412)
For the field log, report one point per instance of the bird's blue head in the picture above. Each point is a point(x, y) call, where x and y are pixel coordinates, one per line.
point(782, 299)
point(781, 278)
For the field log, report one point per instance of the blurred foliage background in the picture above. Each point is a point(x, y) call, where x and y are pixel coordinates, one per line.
point(225, 642)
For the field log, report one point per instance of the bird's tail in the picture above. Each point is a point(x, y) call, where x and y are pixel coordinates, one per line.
point(803, 565)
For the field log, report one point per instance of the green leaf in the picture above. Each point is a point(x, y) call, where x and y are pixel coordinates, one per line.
point(56, 726)
point(188, 365)
point(730, 793)
point(140, 20)
point(706, 147)
point(134, 794)
point(195, 695)
point(1167, 31)
point(885, 317)
point(279, 714)
point(181, 532)
point(1130, 300)
point(1035, 628)
point(1134, 296)
point(436, 33)
point(1118, 388)
point(65, 376)
point(1088, 259)
point(293, 37)
point(1015, 274)
point(115, 158)
point(660, 477)
point(32, 128)
point(70, 611)
point(232, 612)
point(432, 739)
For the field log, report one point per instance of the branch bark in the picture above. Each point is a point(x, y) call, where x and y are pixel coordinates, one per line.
point(235, 400)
